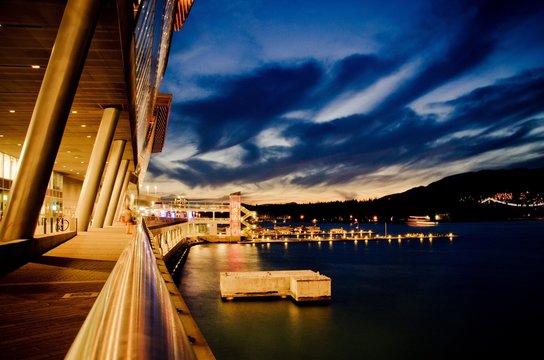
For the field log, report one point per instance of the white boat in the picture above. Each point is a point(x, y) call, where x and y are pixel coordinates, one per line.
point(420, 221)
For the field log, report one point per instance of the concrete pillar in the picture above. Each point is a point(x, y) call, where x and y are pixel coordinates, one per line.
point(116, 193)
point(122, 204)
point(104, 198)
point(49, 118)
point(96, 167)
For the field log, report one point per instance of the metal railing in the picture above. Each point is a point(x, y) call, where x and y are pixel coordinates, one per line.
point(133, 316)
point(52, 225)
point(169, 237)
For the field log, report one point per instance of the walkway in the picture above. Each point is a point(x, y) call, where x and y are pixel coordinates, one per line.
point(44, 303)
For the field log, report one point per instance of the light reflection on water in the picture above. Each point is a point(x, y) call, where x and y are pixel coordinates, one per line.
point(264, 323)
point(391, 300)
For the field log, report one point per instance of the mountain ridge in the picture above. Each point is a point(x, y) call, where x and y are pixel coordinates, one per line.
point(455, 197)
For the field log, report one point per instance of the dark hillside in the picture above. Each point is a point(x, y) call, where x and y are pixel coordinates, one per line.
point(458, 197)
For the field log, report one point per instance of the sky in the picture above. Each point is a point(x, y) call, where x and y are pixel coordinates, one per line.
point(309, 100)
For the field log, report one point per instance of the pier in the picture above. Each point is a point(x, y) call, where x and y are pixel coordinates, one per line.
point(335, 236)
point(301, 285)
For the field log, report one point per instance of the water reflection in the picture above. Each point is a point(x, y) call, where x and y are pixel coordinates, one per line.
point(266, 322)
point(412, 300)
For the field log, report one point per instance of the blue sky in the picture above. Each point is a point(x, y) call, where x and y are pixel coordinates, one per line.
point(316, 100)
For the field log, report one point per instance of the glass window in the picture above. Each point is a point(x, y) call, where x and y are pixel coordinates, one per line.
point(7, 174)
point(8, 166)
point(13, 166)
point(57, 181)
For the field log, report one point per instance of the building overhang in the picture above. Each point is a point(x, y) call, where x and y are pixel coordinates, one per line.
point(27, 34)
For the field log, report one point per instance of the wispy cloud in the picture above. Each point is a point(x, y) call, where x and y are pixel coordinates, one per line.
point(364, 124)
point(366, 100)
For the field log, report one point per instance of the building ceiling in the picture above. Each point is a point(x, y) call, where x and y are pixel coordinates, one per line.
point(27, 34)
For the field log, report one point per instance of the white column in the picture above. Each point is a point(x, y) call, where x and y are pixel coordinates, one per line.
point(95, 168)
point(104, 198)
point(122, 203)
point(116, 193)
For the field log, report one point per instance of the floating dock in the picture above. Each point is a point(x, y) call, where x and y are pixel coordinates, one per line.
point(323, 237)
point(301, 285)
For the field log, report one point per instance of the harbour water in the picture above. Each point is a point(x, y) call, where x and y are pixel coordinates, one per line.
point(480, 294)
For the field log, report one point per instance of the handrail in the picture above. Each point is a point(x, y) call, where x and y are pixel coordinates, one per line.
point(133, 316)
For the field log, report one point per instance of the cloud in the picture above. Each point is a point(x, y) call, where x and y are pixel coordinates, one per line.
point(506, 101)
point(346, 126)
point(346, 149)
point(368, 98)
point(243, 106)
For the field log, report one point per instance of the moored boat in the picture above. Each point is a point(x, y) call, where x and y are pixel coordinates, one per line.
point(420, 221)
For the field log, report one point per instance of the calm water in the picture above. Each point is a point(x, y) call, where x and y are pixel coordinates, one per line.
point(480, 294)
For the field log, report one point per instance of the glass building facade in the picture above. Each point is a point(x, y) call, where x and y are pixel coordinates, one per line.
point(8, 170)
point(52, 205)
point(152, 38)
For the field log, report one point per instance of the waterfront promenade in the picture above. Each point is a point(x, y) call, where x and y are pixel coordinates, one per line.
point(44, 303)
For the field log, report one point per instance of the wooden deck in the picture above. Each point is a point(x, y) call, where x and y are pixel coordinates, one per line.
point(44, 303)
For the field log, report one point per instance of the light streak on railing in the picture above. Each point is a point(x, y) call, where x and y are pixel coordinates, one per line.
point(133, 316)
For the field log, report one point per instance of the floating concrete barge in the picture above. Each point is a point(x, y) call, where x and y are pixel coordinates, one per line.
point(301, 285)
